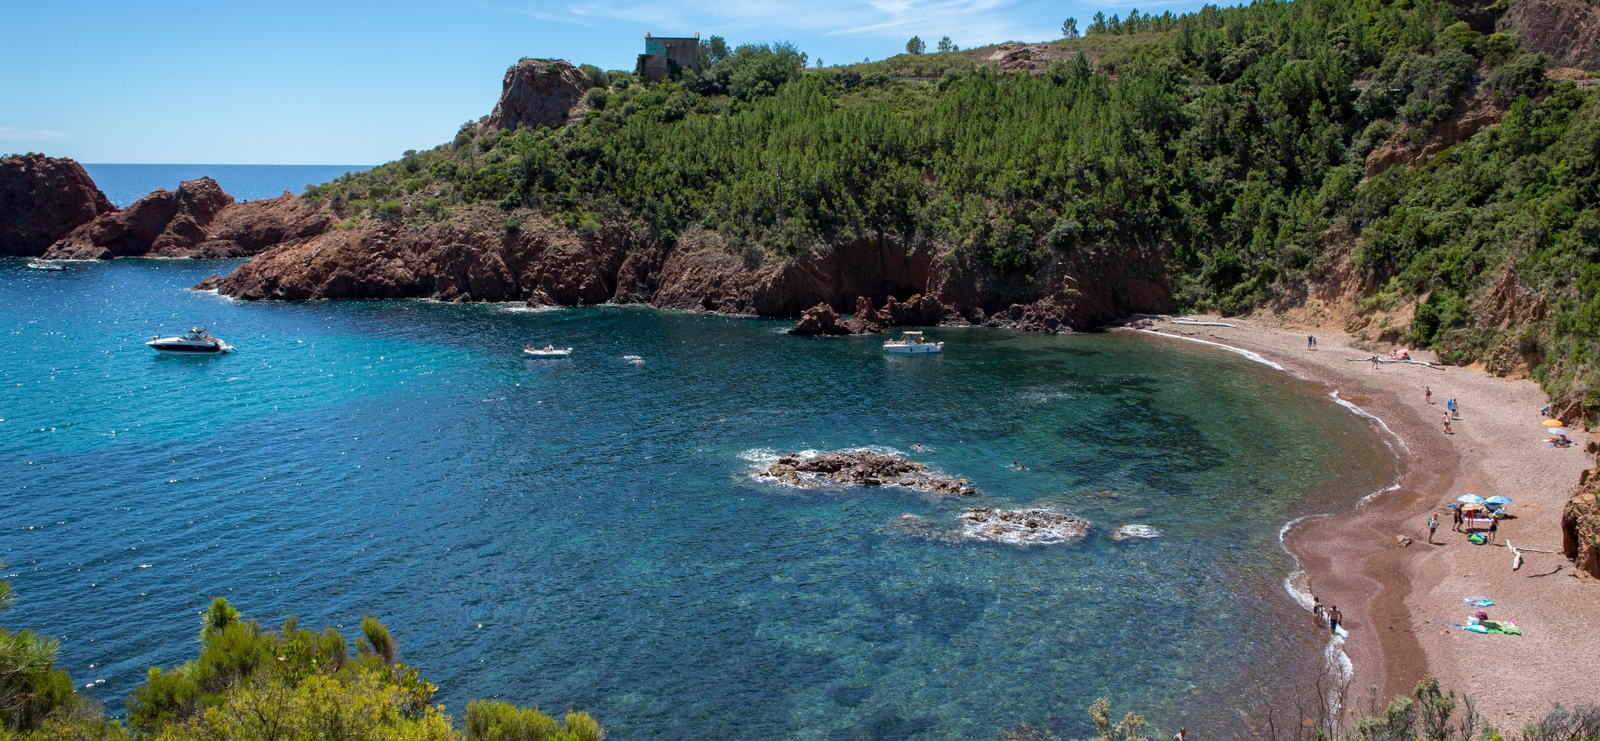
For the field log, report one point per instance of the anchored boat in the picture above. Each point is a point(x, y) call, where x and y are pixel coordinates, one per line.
point(548, 351)
point(196, 342)
point(911, 343)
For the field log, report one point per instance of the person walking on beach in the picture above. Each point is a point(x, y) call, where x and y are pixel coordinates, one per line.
point(1433, 524)
point(1450, 405)
point(1334, 616)
point(1427, 394)
point(1447, 424)
point(1317, 612)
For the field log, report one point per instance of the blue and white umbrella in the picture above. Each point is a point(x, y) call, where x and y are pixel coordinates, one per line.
point(1498, 500)
point(1471, 499)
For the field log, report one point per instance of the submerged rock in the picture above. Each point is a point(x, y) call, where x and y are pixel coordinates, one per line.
point(862, 468)
point(1135, 531)
point(1036, 526)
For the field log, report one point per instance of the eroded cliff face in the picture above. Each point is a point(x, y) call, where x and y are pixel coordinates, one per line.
point(473, 257)
point(1567, 31)
point(41, 200)
point(1580, 522)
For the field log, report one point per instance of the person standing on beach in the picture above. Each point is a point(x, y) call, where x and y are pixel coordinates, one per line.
point(1334, 616)
point(1433, 524)
point(1447, 424)
point(1456, 410)
point(1456, 515)
point(1427, 394)
point(1494, 525)
point(1316, 611)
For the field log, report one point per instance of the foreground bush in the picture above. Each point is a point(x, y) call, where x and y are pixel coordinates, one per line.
point(253, 684)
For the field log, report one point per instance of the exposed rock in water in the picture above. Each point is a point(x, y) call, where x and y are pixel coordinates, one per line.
point(819, 320)
point(208, 283)
point(862, 468)
point(1126, 532)
point(1037, 526)
point(539, 92)
point(41, 200)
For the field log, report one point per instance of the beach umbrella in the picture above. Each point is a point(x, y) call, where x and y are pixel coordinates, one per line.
point(1470, 499)
point(1498, 500)
point(1555, 430)
point(1553, 423)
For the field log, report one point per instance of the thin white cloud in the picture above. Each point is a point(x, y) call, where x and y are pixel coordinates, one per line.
point(976, 20)
point(8, 133)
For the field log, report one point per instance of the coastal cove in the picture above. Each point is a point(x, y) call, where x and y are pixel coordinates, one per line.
point(589, 532)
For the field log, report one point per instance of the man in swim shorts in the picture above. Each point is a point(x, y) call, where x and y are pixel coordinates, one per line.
point(1334, 616)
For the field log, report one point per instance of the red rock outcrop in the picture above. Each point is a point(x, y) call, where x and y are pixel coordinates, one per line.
point(469, 258)
point(164, 223)
point(41, 200)
point(539, 92)
point(196, 220)
point(1471, 115)
point(818, 321)
point(1580, 521)
point(1567, 31)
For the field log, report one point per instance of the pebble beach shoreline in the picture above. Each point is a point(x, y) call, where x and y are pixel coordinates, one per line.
point(1402, 601)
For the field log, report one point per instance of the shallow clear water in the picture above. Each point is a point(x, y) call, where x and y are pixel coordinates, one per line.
point(124, 184)
point(586, 532)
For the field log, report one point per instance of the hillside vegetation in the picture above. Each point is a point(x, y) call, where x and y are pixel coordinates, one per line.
point(1232, 143)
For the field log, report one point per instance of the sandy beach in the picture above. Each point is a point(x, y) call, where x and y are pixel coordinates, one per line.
point(1402, 603)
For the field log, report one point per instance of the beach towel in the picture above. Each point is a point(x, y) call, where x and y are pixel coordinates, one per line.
point(1478, 600)
point(1497, 627)
point(1503, 628)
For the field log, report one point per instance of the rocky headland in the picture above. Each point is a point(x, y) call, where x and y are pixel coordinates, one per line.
point(861, 468)
point(41, 200)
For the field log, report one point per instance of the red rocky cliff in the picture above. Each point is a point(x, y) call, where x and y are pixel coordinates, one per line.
point(41, 199)
point(539, 92)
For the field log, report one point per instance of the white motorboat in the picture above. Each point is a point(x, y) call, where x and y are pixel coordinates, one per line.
point(635, 359)
point(196, 342)
point(911, 343)
point(43, 265)
point(548, 351)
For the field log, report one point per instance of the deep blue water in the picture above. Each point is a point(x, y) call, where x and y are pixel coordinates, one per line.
point(124, 184)
point(586, 532)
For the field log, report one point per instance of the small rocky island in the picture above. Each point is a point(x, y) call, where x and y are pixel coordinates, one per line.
point(861, 468)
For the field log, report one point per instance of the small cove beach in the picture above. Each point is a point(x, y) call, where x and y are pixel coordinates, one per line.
point(1403, 602)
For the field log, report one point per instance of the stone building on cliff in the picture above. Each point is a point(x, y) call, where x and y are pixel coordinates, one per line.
point(663, 53)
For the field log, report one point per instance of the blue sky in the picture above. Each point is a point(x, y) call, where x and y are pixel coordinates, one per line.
point(296, 82)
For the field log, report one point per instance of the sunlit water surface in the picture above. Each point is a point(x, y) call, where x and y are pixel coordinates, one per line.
point(587, 533)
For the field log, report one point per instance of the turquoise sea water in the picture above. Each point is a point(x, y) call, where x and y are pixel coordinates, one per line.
point(587, 533)
point(124, 184)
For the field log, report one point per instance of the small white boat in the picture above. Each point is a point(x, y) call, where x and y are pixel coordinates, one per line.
point(43, 265)
point(911, 343)
point(635, 359)
point(196, 342)
point(548, 351)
